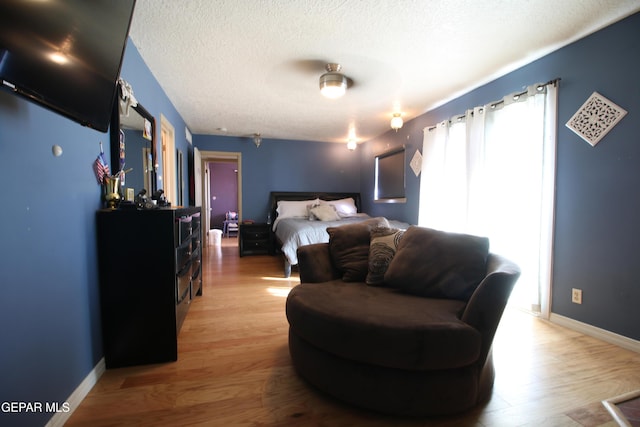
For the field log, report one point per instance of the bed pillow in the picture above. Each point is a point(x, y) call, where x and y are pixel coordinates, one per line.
point(295, 208)
point(383, 246)
point(324, 213)
point(438, 264)
point(344, 207)
point(349, 247)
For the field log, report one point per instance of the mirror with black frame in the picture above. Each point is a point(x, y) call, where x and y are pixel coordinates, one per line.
point(133, 148)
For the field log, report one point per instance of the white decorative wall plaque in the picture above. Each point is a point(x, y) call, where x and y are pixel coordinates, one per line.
point(416, 163)
point(595, 118)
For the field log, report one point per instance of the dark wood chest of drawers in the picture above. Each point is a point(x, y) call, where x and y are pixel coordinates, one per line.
point(150, 268)
point(255, 239)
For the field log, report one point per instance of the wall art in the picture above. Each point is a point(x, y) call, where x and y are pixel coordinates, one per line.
point(416, 163)
point(595, 118)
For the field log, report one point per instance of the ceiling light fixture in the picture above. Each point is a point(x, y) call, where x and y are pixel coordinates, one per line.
point(257, 139)
point(351, 144)
point(333, 84)
point(396, 121)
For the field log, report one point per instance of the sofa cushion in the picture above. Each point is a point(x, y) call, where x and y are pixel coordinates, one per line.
point(349, 247)
point(383, 246)
point(381, 326)
point(438, 264)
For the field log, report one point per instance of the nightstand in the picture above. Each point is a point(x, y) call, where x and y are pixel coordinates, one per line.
point(255, 239)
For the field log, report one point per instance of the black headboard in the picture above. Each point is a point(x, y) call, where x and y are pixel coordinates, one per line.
point(276, 196)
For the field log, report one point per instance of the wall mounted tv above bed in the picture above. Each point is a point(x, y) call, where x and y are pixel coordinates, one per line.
point(65, 55)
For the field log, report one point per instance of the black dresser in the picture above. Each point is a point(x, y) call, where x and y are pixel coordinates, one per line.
point(150, 268)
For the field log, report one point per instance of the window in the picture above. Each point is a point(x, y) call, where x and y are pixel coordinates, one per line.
point(389, 177)
point(490, 172)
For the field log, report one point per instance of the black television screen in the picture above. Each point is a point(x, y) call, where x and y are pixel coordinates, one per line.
point(65, 54)
point(389, 176)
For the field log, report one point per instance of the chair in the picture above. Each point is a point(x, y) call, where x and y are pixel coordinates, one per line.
point(407, 350)
point(230, 224)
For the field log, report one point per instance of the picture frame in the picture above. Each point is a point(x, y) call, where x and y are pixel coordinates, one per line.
point(615, 406)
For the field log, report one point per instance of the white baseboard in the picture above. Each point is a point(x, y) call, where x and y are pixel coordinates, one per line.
point(78, 395)
point(592, 331)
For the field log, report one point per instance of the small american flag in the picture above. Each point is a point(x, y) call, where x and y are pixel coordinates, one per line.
point(100, 167)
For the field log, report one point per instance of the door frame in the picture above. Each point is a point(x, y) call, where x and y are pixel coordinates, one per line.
point(168, 149)
point(211, 156)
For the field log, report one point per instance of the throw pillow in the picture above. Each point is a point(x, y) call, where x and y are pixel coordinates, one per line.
point(349, 248)
point(438, 264)
point(324, 213)
point(384, 243)
point(312, 217)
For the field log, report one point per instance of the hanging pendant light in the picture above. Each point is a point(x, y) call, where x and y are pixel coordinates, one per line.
point(333, 84)
point(257, 139)
point(396, 121)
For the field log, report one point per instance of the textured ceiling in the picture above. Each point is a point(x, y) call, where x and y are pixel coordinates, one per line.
point(239, 67)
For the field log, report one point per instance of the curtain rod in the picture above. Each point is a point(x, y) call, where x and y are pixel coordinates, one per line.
point(553, 82)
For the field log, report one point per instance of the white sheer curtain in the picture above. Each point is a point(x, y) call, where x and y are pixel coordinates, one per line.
point(491, 172)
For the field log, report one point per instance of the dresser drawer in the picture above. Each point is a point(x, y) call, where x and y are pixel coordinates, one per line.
point(256, 235)
point(256, 245)
point(183, 255)
point(183, 228)
point(183, 285)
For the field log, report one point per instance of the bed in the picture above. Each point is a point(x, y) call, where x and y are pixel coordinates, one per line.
point(293, 227)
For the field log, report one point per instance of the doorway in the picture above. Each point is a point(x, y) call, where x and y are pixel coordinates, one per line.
point(203, 183)
point(223, 190)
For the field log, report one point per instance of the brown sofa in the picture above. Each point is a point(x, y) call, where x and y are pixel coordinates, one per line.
point(404, 330)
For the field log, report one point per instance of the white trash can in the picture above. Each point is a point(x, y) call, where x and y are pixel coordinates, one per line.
point(215, 237)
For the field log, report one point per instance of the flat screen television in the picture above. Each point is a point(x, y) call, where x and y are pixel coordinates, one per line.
point(389, 186)
point(65, 54)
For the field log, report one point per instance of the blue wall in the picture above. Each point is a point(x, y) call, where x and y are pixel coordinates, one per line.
point(49, 309)
point(50, 330)
point(597, 204)
point(285, 165)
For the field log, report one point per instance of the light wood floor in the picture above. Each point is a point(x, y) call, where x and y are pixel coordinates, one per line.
point(234, 368)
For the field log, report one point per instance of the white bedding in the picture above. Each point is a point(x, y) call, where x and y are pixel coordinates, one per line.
point(296, 232)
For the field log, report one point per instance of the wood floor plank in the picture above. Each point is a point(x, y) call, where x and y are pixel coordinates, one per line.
point(234, 368)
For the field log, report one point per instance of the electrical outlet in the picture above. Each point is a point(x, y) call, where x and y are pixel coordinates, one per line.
point(576, 296)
